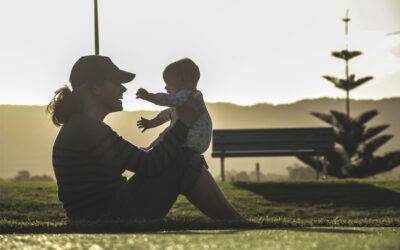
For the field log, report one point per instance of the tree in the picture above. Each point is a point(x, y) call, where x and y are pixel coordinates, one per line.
point(298, 172)
point(242, 176)
point(23, 175)
point(349, 82)
point(356, 144)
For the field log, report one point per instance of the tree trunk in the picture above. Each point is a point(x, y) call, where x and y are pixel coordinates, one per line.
point(348, 103)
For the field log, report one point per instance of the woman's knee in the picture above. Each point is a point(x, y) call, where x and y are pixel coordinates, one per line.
point(192, 173)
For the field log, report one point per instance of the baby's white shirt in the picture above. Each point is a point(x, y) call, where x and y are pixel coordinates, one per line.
point(199, 135)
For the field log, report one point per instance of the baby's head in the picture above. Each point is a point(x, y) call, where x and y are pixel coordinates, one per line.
point(182, 74)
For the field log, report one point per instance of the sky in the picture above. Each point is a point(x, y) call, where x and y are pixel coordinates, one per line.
point(248, 51)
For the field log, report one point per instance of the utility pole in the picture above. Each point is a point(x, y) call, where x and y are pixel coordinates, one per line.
point(2, 142)
point(96, 29)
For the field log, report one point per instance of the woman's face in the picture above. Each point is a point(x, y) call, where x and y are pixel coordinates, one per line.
point(110, 96)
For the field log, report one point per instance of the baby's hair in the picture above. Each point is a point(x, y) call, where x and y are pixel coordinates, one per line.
point(187, 71)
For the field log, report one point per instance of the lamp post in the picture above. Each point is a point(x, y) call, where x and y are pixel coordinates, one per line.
point(96, 29)
point(3, 138)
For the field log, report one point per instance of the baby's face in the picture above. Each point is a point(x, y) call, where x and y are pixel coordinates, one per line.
point(171, 88)
point(172, 84)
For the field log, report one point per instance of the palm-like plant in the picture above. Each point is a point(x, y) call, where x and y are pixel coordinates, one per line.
point(354, 154)
point(349, 82)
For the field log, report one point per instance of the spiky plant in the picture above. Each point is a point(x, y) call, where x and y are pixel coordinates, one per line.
point(354, 153)
point(356, 144)
point(349, 82)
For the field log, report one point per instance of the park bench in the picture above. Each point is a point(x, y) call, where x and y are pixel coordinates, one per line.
point(270, 142)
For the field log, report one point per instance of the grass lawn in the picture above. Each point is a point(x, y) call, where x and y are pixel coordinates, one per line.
point(289, 238)
point(33, 206)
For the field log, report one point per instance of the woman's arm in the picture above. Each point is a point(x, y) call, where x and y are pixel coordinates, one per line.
point(112, 149)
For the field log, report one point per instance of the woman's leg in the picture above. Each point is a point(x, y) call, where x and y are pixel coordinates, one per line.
point(151, 198)
point(209, 199)
point(148, 198)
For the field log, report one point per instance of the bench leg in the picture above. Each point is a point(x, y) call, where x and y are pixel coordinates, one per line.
point(325, 168)
point(258, 171)
point(222, 169)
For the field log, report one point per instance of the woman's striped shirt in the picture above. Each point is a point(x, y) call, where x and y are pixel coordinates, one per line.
point(89, 159)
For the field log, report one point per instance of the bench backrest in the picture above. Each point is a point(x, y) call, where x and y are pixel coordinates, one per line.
point(272, 142)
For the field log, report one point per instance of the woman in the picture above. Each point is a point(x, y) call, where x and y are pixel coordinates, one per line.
point(89, 157)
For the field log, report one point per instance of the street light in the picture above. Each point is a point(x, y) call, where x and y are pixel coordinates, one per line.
point(96, 29)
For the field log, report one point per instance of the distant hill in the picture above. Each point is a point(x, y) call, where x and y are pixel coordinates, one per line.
point(27, 134)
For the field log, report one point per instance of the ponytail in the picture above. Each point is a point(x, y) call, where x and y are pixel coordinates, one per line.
point(62, 106)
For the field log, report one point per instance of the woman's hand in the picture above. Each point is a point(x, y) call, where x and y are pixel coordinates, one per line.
point(190, 111)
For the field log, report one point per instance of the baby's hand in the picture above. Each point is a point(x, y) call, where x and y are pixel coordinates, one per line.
point(144, 124)
point(141, 93)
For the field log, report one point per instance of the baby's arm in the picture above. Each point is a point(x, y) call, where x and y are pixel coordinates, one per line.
point(160, 119)
point(163, 99)
point(164, 116)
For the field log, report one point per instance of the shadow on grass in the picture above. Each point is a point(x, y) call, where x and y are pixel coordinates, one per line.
point(329, 230)
point(200, 232)
point(300, 229)
point(351, 195)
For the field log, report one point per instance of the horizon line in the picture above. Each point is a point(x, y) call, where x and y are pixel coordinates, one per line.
point(241, 105)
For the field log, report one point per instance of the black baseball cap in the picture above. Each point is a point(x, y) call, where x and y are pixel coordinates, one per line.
point(95, 68)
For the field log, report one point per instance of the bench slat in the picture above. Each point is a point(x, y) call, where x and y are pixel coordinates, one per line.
point(266, 153)
point(271, 131)
point(280, 146)
point(272, 142)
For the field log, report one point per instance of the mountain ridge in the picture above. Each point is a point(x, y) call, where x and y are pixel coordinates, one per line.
point(27, 134)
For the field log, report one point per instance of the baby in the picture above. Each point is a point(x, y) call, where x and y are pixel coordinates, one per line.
point(180, 79)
